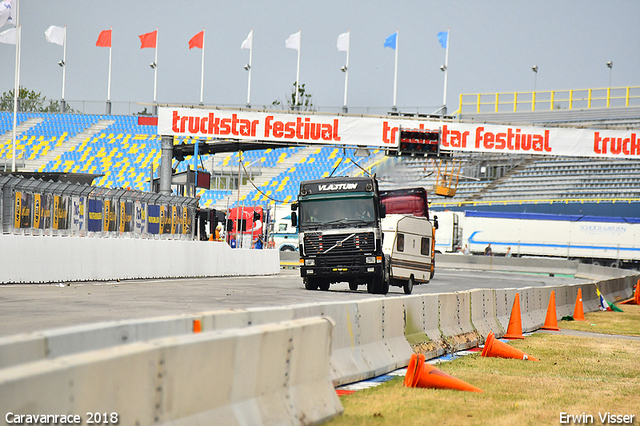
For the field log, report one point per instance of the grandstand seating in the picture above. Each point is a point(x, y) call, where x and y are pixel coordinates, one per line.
point(124, 152)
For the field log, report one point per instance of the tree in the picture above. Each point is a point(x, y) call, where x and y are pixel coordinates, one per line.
point(30, 101)
point(305, 101)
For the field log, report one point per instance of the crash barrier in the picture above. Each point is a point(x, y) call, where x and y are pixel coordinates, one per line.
point(53, 259)
point(35, 207)
point(370, 337)
point(266, 374)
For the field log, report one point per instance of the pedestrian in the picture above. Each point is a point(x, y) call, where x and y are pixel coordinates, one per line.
point(466, 250)
point(488, 251)
point(508, 254)
point(258, 244)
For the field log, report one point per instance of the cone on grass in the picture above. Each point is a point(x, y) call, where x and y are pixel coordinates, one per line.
point(635, 300)
point(423, 375)
point(496, 349)
point(551, 321)
point(578, 311)
point(514, 330)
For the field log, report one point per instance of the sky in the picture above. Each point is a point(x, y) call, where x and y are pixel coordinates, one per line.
point(493, 45)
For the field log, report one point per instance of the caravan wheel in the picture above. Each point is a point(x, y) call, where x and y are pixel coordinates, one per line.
point(408, 285)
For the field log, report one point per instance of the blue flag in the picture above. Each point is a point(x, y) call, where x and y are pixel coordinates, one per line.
point(391, 40)
point(442, 38)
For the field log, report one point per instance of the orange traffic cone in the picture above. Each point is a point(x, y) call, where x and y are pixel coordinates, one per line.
point(197, 326)
point(423, 375)
point(635, 300)
point(495, 348)
point(551, 321)
point(514, 330)
point(638, 293)
point(578, 312)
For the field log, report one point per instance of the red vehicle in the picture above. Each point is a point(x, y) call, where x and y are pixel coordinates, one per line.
point(244, 225)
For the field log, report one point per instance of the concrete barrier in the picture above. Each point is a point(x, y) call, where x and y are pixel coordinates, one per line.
point(268, 374)
point(421, 325)
point(454, 320)
point(483, 312)
point(62, 259)
point(510, 264)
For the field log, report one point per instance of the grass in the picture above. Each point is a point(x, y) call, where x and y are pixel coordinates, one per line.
point(576, 375)
point(606, 322)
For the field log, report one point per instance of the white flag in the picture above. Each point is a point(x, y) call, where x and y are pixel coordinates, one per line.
point(248, 43)
point(293, 42)
point(6, 13)
point(343, 42)
point(8, 36)
point(55, 35)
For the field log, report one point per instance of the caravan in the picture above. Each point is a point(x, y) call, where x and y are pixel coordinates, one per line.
point(408, 244)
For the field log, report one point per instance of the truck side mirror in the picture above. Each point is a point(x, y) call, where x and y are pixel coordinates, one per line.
point(383, 211)
point(294, 207)
point(435, 222)
point(294, 219)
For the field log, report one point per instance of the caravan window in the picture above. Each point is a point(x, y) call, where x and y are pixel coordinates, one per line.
point(400, 242)
point(425, 246)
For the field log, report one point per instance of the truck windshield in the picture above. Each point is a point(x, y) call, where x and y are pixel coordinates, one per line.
point(337, 213)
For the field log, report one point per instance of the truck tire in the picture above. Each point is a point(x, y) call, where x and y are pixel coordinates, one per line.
point(310, 284)
point(324, 285)
point(408, 285)
point(353, 286)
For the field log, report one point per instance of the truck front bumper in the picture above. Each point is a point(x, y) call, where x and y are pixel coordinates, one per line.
point(341, 271)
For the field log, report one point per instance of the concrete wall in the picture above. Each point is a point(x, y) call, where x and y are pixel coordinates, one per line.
point(35, 259)
point(270, 366)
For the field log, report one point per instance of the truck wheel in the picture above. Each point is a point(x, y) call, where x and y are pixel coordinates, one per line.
point(371, 286)
point(433, 268)
point(324, 285)
point(408, 286)
point(310, 284)
point(353, 286)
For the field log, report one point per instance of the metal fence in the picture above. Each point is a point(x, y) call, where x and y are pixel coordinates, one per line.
point(36, 207)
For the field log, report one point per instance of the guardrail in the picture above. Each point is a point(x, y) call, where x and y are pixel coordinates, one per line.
point(67, 370)
point(549, 100)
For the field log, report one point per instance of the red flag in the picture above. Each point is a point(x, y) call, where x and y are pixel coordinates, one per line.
point(197, 41)
point(148, 40)
point(104, 39)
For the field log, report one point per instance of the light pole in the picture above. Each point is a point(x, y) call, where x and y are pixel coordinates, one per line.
point(535, 83)
point(610, 66)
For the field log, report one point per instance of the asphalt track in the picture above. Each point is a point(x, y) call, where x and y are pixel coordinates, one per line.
point(32, 307)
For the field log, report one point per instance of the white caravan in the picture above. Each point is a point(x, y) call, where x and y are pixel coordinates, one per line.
point(408, 244)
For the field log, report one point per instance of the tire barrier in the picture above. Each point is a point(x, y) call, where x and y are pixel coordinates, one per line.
point(369, 337)
point(267, 374)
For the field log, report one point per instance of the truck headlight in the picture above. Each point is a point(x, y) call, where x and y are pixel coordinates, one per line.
point(370, 259)
point(309, 262)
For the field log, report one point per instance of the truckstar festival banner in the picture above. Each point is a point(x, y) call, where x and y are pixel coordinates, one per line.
point(382, 132)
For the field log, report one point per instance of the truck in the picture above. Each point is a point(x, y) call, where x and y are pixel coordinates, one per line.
point(243, 225)
point(341, 236)
point(283, 235)
point(598, 240)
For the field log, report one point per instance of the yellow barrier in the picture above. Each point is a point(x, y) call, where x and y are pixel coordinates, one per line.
point(550, 100)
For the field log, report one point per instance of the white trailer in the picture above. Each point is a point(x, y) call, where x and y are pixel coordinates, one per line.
point(408, 245)
point(610, 241)
point(448, 233)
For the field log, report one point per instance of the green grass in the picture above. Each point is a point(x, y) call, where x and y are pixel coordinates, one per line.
point(576, 375)
point(627, 322)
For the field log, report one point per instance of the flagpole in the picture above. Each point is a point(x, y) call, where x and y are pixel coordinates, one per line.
point(155, 77)
point(109, 79)
point(395, 76)
point(16, 87)
point(64, 68)
point(249, 83)
point(201, 78)
point(446, 70)
point(298, 70)
point(346, 74)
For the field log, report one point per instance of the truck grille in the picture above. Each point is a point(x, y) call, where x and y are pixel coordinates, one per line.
point(315, 244)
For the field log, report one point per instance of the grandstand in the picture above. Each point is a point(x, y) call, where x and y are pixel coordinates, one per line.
point(125, 153)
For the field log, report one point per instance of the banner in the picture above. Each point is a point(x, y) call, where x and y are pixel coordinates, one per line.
point(154, 219)
point(382, 132)
point(140, 218)
point(77, 214)
point(95, 216)
point(60, 212)
point(110, 214)
point(125, 216)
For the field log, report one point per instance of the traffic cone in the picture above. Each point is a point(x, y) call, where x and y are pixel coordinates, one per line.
point(578, 312)
point(638, 293)
point(514, 330)
point(197, 326)
point(635, 300)
point(551, 321)
point(496, 349)
point(423, 375)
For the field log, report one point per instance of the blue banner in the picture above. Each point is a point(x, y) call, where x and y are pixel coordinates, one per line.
point(153, 226)
point(95, 216)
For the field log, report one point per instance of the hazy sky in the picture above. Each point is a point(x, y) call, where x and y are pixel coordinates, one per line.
point(493, 45)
